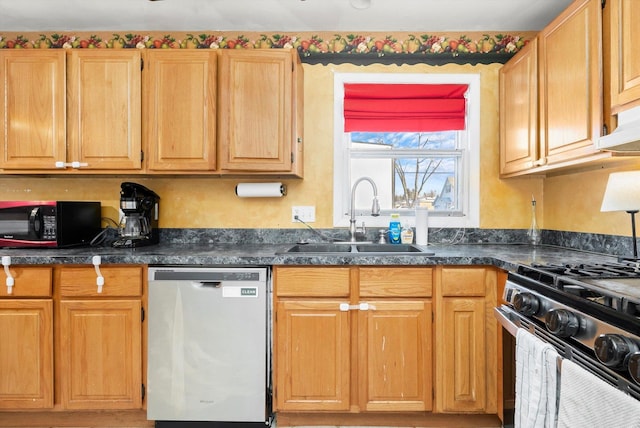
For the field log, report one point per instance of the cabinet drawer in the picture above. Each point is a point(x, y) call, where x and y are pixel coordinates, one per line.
point(28, 282)
point(396, 282)
point(81, 281)
point(462, 281)
point(312, 282)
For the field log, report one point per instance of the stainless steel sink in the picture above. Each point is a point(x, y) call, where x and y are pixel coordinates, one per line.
point(320, 248)
point(357, 249)
point(389, 248)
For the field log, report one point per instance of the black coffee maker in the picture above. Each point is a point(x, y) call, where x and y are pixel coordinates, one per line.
point(139, 224)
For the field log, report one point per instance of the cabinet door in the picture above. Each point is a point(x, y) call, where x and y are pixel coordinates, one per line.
point(395, 356)
point(32, 108)
point(571, 82)
point(312, 356)
point(460, 354)
point(625, 61)
point(26, 359)
point(256, 117)
point(100, 357)
point(181, 110)
point(519, 111)
point(104, 109)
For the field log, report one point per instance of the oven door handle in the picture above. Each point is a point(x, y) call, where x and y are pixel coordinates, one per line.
point(505, 317)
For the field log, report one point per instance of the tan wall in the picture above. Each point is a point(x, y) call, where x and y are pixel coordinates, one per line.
point(572, 201)
point(566, 202)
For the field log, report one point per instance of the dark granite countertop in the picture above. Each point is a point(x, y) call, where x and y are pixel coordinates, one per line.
point(505, 256)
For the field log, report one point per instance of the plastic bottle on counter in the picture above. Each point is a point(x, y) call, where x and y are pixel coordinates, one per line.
point(395, 229)
point(407, 235)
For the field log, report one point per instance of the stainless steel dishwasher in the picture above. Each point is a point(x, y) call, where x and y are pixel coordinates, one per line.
point(208, 355)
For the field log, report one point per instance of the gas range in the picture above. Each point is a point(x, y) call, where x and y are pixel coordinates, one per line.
point(612, 290)
point(589, 312)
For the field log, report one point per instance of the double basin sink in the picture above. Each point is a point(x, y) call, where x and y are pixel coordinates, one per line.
point(357, 249)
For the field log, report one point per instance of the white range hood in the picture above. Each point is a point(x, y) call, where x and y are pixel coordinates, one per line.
point(626, 137)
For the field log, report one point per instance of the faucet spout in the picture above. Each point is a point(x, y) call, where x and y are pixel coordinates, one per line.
point(375, 208)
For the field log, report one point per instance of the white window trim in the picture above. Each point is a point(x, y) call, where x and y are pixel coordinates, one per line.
point(341, 182)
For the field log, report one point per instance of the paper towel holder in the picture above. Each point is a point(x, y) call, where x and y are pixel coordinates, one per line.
point(260, 190)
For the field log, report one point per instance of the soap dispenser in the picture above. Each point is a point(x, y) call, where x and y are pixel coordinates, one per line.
point(395, 229)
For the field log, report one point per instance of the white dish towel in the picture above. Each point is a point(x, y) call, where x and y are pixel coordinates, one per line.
point(588, 401)
point(536, 382)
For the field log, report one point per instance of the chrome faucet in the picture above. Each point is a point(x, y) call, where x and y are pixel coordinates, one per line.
point(375, 208)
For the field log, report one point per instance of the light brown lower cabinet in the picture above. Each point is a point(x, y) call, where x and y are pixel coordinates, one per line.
point(395, 356)
point(26, 340)
point(99, 338)
point(393, 339)
point(466, 356)
point(353, 339)
point(66, 346)
point(313, 361)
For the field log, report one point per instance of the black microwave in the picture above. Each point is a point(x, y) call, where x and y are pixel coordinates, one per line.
point(48, 224)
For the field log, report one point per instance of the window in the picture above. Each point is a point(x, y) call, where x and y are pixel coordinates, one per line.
point(438, 169)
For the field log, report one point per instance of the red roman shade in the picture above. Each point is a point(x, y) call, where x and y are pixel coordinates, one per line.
point(380, 107)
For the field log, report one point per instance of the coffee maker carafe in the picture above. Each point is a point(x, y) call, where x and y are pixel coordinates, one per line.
point(139, 224)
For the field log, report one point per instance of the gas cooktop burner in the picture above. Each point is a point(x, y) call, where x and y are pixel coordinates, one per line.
point(599, 270)
point(613, 285)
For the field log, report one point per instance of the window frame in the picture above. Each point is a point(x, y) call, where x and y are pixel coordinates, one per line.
point(470, 161)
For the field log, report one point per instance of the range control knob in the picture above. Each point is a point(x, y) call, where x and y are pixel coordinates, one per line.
point(526, 303)
point(562, 322)
point(634, 367)
point(613, 349)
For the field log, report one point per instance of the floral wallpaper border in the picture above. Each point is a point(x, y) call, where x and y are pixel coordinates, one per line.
point(313, 48)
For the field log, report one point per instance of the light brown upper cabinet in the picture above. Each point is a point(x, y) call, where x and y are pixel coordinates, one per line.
point(32, 110)
point(569, 96)
point(207, 111)
point(519, 111)
point(104, 109)
point(260, 111)
point(70, 111)
point(571, 83)
point(624, 16)
point(180, 118)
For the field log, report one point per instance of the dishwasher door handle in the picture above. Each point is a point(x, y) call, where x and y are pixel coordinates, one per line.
point(209, 284)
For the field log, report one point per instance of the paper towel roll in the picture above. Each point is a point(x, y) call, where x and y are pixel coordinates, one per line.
point(261, 190)
point(422, 225)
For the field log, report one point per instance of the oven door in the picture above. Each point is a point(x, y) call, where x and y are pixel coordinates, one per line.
point(507, 319)
point(510, 324)
point(511, 321)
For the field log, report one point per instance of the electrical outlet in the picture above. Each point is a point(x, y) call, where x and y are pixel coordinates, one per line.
point(304, 213)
